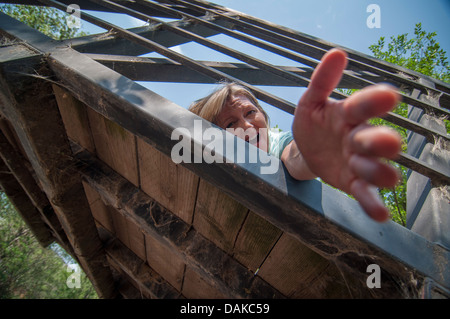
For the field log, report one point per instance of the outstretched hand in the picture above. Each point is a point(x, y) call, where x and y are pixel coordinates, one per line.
point(338, 144)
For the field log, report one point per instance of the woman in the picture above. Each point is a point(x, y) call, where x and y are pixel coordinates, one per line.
point(330, 139)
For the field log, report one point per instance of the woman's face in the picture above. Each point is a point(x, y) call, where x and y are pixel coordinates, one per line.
point(240, 113)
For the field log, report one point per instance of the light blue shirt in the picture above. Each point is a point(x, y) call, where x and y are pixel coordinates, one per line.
point(278, 140)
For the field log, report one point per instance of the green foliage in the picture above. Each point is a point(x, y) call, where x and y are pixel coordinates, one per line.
point(49, 21)
point(27, 270)
point(393, 198)
point(422, 53)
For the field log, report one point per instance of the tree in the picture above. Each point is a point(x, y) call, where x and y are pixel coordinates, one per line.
point(50, 21)
point(421, 53)
point(27, 270)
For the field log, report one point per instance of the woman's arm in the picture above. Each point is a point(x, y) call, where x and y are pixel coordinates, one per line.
point(295, 164)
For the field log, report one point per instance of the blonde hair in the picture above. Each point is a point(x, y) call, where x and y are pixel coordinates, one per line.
point(210, 106)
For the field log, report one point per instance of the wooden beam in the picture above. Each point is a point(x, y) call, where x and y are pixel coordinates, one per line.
point(109, 43)
point(20, 93)
point(216, 267)
point(149, 282)
point(89, 5)
point(18, 168)
point(24, 206)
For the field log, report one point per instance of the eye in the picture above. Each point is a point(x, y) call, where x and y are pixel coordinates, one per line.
point(229, 125)
point(251, 112)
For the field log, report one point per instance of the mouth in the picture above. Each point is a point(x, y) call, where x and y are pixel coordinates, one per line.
point(254, 141)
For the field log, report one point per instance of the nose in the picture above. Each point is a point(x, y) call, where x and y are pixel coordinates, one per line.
point(249, 129)
point(246, 124)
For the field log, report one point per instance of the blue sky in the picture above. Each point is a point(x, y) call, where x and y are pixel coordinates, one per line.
point(342, 22)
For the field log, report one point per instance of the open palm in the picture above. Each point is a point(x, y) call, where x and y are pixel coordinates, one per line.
point(336, 141)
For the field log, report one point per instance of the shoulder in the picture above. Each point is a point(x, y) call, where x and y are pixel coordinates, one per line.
point(278, 140)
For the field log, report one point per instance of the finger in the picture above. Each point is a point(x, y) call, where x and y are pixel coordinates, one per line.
point(375, 141)
point(372, 101)
point(373, 172)
point(370, 201)
point(325, 77)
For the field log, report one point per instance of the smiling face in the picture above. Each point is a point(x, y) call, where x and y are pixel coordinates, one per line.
point(244, 120)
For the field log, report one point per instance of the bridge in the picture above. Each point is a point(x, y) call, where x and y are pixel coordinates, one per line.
point(85, 159)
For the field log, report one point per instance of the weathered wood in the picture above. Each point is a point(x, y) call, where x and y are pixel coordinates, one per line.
point(20, 169)
point(24, 206)
point(255, 241)
point(17, 165)
point(100, 211)
point(136, 239)
point(298, 272)
point(196, 287)
point(214, 266)
point(164, 261)
point(75, 118)
point(171, 185)
point(115, 146)
point(8, 130)
point(52, 162)
point(111, 44)
point(217, 216)
point(310, 45)
point(164, 70)
point(145, 277)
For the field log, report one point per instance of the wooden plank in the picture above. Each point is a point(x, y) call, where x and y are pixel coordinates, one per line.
point(299, 272)
point(124, 228)
point(213, 264)
point(99, 210)
point(24, 206)
point(149, 171)
point(20, 168)
point(172, 185)
point(217, 216)
point(147, 279)
point(136, 239)
point(8, 130)
point(17, 163)
point(120, 226)
point(75, 119)
point(255, 240)
point(164, 261)
point(115, 146)
point(111, 44)
point(195, 287)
